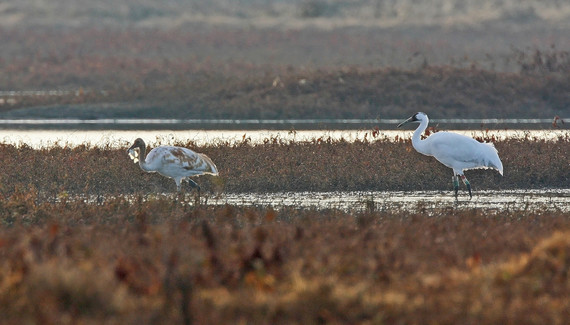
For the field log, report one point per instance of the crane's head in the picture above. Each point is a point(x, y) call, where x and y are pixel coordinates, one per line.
point(418, 117)
point(139, 143)
point(133, 154)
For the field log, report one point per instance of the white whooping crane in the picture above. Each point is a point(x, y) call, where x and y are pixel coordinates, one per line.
point(174, 162)
point(456, 151)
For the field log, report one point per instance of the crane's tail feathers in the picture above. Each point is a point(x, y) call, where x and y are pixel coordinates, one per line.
point(207, 166)
point(498, 167)
point(494, 161)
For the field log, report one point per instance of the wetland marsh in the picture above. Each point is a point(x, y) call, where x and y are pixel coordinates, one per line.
point(292, 231)
point(333, 227)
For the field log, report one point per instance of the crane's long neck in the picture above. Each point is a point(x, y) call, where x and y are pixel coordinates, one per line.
point(417, 142)
point(142, 158)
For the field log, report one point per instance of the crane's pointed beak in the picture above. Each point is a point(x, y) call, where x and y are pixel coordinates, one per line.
point(405, 122)
point(131, 148)
point(413, 118)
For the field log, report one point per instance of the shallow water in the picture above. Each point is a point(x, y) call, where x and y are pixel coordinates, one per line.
point(547, 199)
point(123, 138)
point(555, 200)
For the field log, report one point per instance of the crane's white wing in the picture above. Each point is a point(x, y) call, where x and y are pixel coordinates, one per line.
point(462, 152)
point(180, 162)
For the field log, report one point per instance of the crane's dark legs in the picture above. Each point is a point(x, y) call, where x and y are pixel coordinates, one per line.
point(455, 181)
point(194, 185)
point(197, 187)
point(179, 194)
point(466, 182)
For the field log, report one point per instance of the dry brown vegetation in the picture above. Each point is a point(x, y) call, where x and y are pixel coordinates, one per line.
point(277, 165)
point(156, 260)
point(142, 258)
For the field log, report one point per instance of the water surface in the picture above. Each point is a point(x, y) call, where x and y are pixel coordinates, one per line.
point(556, 200)
point(123, 138)
point(547, 199)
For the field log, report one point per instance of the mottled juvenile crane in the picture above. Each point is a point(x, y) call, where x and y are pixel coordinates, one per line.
point(177, 163)
point(456, 151)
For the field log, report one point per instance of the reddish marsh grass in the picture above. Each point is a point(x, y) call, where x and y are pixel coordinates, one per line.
point(194, 73)
point(317, 165)
point(161, 261)
point(445, 92)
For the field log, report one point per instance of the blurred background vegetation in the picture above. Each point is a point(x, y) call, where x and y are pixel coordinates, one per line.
point(284, 59)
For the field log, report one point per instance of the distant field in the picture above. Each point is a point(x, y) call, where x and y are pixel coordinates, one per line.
point(285, 59)
point(346, 93)
point(287, 13)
